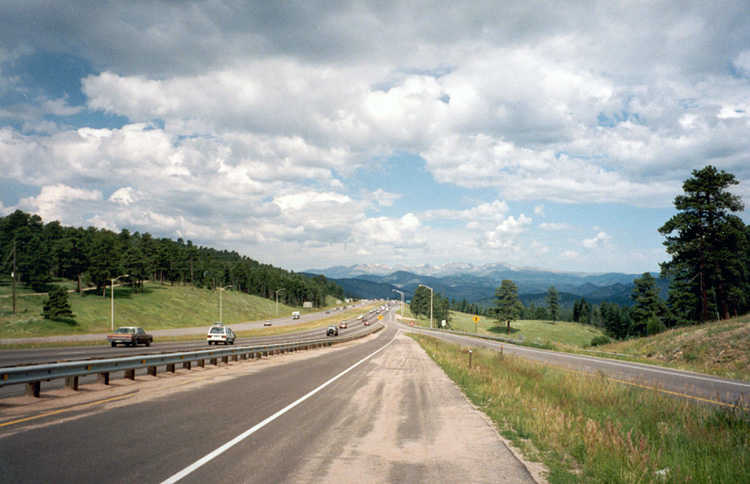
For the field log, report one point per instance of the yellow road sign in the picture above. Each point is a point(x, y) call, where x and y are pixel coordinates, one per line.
point(476, 319)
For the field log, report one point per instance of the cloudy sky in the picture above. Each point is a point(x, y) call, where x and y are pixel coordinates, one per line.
point(316, 133)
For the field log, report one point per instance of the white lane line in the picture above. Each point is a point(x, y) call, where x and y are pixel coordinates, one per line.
point(666, 371)
point(208, 458)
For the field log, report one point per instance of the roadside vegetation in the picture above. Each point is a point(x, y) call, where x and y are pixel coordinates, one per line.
point(539, 333)
point(153, 307)
point(589, 429)
point(719, 348)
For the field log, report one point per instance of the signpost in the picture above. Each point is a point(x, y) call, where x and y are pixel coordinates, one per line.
point(476, 320)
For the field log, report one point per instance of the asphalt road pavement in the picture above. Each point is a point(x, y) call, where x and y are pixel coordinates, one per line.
point(373, 411)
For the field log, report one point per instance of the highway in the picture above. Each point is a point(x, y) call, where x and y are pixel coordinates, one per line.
point(15, 357)
point(378, 410)
point(678, 383)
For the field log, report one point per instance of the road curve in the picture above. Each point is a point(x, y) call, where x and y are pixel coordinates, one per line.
point(375, 411)
point(684, 384)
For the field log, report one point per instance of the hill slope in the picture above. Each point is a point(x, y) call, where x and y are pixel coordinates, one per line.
point(720, 348)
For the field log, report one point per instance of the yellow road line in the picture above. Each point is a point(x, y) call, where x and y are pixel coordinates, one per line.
point(5, 424)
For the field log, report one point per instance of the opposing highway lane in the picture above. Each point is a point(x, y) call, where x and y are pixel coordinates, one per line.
point(683, 384)
point(375, 411)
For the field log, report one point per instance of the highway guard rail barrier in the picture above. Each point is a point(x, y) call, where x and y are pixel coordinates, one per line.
point(33, 375)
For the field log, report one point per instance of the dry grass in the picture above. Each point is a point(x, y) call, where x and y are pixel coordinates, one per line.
point(592, 429)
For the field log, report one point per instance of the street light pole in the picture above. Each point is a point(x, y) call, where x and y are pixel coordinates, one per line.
point(402, 301)
point(112, 301)
point(277, 301)
point(431, 294)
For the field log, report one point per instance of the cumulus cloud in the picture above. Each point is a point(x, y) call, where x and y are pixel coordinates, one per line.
point(255, 122)
point(55, 200)
point(600, 239)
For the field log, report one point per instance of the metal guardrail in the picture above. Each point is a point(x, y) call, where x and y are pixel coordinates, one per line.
point(34, 375)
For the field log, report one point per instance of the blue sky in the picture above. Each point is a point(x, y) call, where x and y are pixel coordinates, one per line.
point(306, 135)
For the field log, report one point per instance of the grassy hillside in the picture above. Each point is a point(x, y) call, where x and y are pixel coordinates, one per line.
point(719, 348)
point(543, 333)
point(155, 307)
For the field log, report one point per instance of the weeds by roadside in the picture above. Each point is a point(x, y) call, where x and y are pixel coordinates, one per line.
point(591, 429)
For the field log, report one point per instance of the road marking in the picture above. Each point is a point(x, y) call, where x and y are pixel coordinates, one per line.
point(681, 373)
point(208, 458)
point(70, 409)
point(648, 387)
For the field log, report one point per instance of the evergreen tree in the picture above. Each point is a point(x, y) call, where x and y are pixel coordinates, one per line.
point(508, 306)
point(553, 303)
point(420, 302)
point(708, 245)
point(56, 305)
point(649, 306)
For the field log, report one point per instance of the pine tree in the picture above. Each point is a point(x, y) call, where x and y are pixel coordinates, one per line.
point(56, 306)
point(507, 305)
point(553, 303)
point(708, 245)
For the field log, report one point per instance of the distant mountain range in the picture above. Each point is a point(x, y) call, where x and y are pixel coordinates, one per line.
point(477, 284)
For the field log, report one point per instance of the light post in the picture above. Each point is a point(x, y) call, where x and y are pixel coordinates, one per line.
point(402, 301)
point(221, 293)
point(277, 301)
point(431, 294)
point(112, 299)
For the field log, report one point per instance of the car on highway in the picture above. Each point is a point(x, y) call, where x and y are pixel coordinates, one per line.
point(130, 336)
point(342, 325)
point(332, 330)
point(218, 333)
point(267, 323)
point(366, 323)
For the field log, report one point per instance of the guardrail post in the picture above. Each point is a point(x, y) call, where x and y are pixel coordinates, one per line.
point(152, 371)
point(71, 382)
point(130, 374)
point(225, 359)
point(214, 361)
point(170, 367)
point(202, 363)
point(186, 365)
point(103, 378)
point(34, 388)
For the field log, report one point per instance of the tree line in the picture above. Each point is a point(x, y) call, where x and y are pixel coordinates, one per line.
point(37, 253)
point(709, 271)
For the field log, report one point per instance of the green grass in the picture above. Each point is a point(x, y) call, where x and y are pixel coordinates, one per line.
point(559, 335)
point(590, 429)
point(153, 308)
point(717, 348)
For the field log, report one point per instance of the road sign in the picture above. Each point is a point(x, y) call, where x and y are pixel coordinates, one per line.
point(380, 317)
point(476, 319)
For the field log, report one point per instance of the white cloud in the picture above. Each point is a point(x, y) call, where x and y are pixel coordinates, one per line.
point(600, 239)
point(55, 200)
point(257, 124)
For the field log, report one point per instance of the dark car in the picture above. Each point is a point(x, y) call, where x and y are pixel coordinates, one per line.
point(130, 336)
point(332, 330)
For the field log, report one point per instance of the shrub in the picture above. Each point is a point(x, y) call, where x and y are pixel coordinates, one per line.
point(654, 325)
point(600, 340)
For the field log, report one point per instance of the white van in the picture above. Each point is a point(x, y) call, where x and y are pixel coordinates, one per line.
point(295, 315)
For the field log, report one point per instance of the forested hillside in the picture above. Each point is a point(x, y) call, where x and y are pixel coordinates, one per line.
point(37, 253)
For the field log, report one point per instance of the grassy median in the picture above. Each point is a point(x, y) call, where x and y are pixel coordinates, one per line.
point(590, 429)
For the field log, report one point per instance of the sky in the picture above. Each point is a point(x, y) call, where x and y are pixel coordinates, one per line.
point(314, 134)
